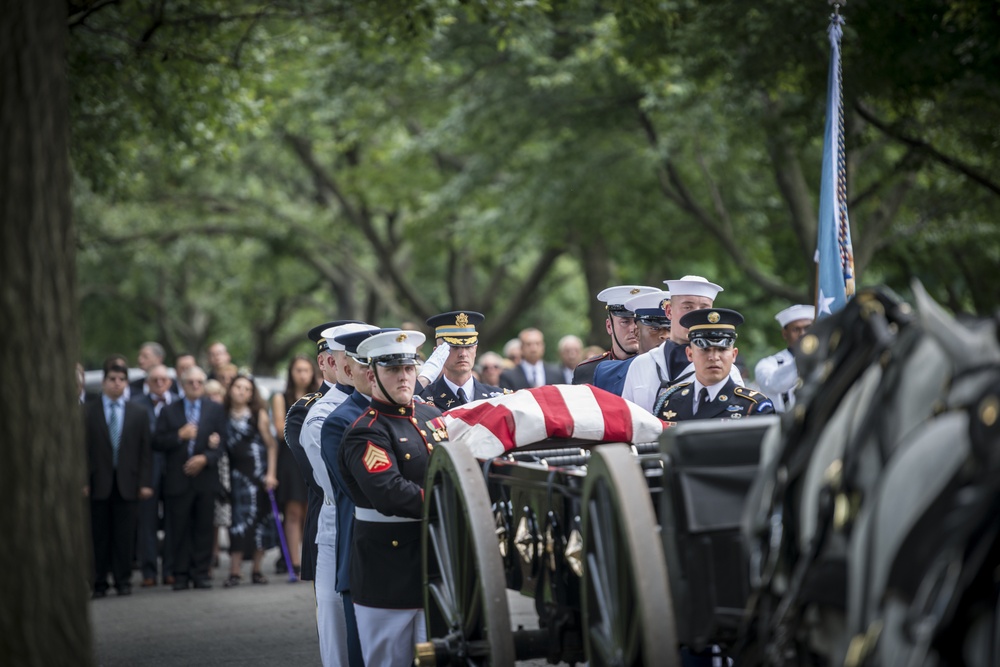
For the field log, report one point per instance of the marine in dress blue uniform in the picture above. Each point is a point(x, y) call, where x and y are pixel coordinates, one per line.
point(653, 326)
point(712, 394)
point(383, 460)
point(458, 329)
point(620, 325)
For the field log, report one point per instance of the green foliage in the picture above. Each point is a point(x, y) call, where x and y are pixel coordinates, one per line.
point(247, 169)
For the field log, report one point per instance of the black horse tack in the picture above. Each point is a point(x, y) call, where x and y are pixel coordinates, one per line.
point(873, 527)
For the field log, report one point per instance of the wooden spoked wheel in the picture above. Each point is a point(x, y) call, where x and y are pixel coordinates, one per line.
point(627, 614)
point(465, 595)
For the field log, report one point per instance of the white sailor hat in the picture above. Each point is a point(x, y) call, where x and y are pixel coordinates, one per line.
point(392, 348)
point(615, 297)
point(350, 327)
point(650, 306)
point(793, 313)
point(693, 286)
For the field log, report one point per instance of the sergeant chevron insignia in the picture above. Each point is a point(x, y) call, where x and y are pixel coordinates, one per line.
point(376, 459)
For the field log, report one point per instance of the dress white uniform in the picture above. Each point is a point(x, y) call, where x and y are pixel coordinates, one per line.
point(649, 371)
point(330, 620)
point(777, 376)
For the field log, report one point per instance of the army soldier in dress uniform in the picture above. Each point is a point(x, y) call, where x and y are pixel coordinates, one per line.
point(457, 385)
point(652, 373)
point(620, 325)
point(383, 459)
point(712, 394)
point(777, 375)
point(653, 327)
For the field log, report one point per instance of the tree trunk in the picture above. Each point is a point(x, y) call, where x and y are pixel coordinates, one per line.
point(597, 269)
point(45, 560)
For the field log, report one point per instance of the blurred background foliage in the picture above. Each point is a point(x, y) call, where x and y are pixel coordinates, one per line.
point(245, 170)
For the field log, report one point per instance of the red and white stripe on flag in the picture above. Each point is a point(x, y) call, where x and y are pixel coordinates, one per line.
point(493, 426)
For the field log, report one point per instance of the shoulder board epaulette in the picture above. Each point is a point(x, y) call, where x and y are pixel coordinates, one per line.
point(750, 394)
point(307, 399)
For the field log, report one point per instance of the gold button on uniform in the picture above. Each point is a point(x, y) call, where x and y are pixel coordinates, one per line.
point(395, 543)
point(407, 457)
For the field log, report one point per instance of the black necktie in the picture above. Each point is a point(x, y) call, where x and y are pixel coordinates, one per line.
point(462, 398)
point(703, 399)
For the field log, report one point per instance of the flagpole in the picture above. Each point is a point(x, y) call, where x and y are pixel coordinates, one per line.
point(834, 252)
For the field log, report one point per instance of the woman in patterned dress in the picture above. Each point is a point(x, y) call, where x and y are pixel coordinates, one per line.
point(253, 462)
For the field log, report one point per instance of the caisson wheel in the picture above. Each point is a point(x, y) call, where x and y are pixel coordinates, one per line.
point(465, 596)
point(627, 615)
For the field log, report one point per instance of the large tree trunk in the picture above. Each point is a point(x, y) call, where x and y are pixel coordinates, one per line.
point(597, 269)
point(46, 554)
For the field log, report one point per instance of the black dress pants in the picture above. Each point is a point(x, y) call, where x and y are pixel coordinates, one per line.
point(112, 524)
point(190, 524)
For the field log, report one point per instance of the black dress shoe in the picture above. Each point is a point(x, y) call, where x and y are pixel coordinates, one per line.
point(203, 584)
point(124, 590)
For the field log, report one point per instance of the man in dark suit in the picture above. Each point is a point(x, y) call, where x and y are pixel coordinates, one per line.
point(457, 385)
point(190, 433)
point(153, 400)
point(532, 371)
point(713, 394)
point(120, 474)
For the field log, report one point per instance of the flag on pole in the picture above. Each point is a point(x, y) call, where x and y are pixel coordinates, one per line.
point(834, 253)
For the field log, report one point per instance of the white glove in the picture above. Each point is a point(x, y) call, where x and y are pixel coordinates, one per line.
point(435, 364)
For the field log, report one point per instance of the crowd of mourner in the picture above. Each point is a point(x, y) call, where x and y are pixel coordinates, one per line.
point(336, 461)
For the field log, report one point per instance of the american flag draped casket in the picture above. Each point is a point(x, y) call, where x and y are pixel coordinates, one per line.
point(493, 426)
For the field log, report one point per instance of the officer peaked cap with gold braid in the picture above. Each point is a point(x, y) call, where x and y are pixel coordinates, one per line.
point(457, 327)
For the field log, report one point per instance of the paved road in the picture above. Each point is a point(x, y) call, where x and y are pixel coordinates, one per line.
point(273, 624)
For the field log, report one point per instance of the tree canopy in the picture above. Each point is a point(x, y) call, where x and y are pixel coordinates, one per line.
point(244, 170)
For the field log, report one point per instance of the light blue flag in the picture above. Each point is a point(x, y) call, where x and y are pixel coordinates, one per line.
point(834, 252)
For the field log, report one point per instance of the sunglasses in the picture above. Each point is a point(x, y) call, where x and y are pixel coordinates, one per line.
point(705, 343)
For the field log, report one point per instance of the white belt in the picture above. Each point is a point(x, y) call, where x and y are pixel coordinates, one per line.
point(368, 514)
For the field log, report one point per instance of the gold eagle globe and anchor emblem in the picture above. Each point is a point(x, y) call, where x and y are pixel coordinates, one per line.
point(401, 337)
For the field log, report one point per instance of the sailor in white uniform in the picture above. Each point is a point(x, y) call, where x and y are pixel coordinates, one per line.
point(776, 375)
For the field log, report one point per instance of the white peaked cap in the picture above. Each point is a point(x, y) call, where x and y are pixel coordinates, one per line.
point(619, 294)
point(391, 343)
point(650, 300)
point(693, 286)
point(793, 313)
point(333, 332)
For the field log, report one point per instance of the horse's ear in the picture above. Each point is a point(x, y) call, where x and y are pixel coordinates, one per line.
point(967, 348)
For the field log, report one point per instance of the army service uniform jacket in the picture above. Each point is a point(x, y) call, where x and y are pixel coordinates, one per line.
point(440, 394)
point(383, 459)
point(649, 373)
point(732, 402)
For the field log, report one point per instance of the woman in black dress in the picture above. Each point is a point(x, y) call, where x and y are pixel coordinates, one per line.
point(253, 462)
